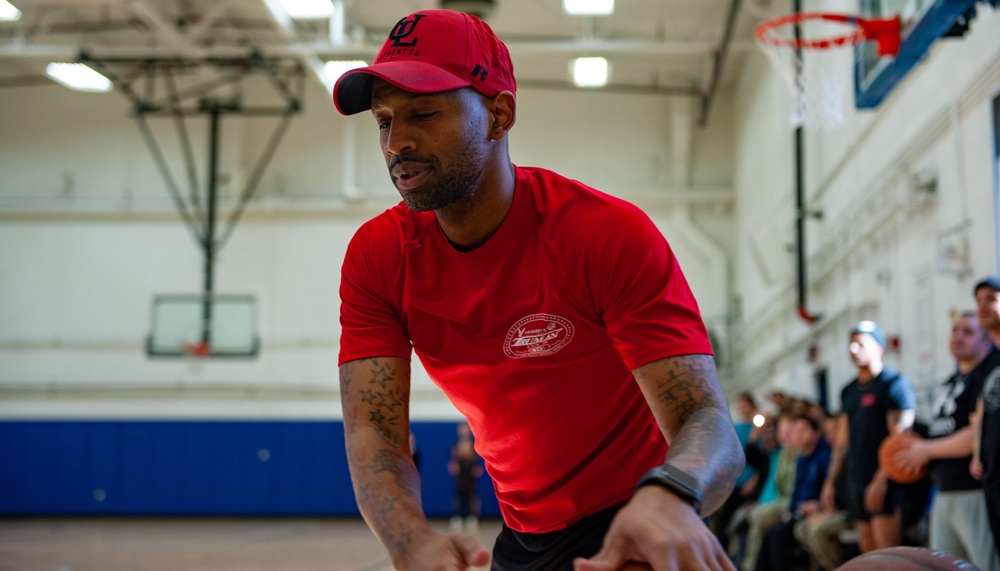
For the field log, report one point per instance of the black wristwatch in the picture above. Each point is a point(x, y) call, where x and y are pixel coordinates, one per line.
point(677, 481)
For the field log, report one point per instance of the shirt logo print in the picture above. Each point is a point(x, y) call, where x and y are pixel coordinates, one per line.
point(991, 391)
point(538, 335)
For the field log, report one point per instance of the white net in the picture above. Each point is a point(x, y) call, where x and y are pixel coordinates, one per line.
point(818, 80)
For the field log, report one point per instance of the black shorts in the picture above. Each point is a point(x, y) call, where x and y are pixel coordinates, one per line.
point(895, 499)
point(555, 551)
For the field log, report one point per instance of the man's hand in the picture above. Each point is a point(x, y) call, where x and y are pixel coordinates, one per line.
point(660, 528)
point(914, 457)
point(809, 507)
point(976, 468)
point(827, 495)
point(875, 493)
point(440, 552)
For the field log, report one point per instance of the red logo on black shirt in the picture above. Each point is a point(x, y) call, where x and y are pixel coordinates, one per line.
point(537, 335)
point(868, 400)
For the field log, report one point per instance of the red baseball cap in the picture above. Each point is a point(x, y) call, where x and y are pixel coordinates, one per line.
point(431, 51)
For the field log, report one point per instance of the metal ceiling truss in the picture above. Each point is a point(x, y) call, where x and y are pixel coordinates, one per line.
point(212, 89)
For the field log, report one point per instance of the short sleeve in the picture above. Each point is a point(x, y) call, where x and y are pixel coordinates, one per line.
point(641, 293)
point(370, 321)
point(901, 394)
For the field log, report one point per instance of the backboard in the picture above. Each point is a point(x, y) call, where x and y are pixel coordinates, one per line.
point(193, 325)
point(922, 23)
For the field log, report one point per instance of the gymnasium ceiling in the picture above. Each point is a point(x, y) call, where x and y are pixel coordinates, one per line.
point(687, 47)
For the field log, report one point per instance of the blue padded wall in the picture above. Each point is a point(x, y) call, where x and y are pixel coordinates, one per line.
point(200, 468)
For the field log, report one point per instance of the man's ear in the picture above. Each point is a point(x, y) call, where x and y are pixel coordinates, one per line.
point(503, 114)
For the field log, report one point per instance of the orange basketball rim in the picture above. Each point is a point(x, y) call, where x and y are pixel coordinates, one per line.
point(885, 32)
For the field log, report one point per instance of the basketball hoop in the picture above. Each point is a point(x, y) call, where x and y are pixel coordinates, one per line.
point(198, 350)
point(818, 89)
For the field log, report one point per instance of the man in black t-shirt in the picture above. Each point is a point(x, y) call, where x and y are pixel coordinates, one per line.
point(878, 402)
point(986, 459)
point(959, 523)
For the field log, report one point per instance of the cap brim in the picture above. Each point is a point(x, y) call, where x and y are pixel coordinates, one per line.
point(991, 282)
point(353, 91)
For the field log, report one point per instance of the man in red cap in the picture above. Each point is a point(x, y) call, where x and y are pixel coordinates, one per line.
point(555, 318)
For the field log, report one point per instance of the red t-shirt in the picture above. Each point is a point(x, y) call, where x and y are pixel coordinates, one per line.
point(533, 337)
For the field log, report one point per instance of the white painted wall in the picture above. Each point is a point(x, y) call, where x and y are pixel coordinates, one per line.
point(873, 254)
point(88, 235)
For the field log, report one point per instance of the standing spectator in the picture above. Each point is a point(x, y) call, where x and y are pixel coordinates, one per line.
point(466, 466)
point(878, 402)
point(958, 524)
point(986, 457)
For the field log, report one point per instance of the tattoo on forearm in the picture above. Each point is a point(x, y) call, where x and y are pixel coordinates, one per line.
point(688, 384)
point(390, 462)
point(374, 394)
point(384, 400)
point(383, 507)
point(697, 421)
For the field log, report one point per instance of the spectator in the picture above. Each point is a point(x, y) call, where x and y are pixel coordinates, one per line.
point(879, 401)
point(820, 528)
point(775, 496)
point(747, 409)
point(986, 456)
point(805, 438)
point(958, 522)
point(466, 466)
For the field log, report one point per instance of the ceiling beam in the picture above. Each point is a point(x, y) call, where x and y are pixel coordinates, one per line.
point(323, 49)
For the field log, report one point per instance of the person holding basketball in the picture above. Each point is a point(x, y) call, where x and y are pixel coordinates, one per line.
point(958, 520)
point(878, 402)
point(555, 318)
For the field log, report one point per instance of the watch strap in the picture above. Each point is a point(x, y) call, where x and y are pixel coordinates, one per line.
point(677, 481)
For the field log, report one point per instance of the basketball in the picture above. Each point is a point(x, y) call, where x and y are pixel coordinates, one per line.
point(887, 458)
point(907, 559)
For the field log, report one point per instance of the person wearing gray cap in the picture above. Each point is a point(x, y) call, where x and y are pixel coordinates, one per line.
point(986, 457)
point(879, 401)
point(554, 317)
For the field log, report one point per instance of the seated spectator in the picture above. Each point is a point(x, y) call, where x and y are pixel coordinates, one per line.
point(746, 489)
point(805, 438)
point(775, 496)
point(819, 529)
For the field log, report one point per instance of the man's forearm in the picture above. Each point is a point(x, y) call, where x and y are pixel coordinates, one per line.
point(955, 445)
point(836, 463)
point(387, 488)
point(375, 397)
point(705, 448)
point(686, 398)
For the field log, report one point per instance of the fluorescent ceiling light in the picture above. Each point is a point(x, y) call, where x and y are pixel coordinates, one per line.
point(589, 7)
point(308, 9)
point(78, 76)
point(590, 72)
point(336, 68)
point(8, 12)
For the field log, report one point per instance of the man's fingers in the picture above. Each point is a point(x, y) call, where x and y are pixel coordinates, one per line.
point(607, 559)
point(593, 565)
point(471, 551)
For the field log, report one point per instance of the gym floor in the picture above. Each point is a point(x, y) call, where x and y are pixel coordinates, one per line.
point(203, 544)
